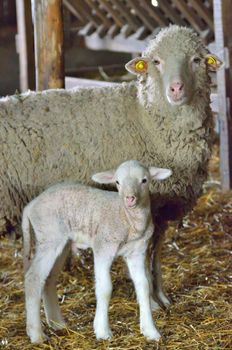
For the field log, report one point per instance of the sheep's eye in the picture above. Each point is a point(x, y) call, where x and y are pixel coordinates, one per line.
point(197, 60)
point(117, 182)
point(156, 62)
point(144, 181)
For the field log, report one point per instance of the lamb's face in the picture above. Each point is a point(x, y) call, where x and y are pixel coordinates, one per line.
point(132, 181)
point(178, 63)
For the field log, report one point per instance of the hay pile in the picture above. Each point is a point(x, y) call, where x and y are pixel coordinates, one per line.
point(197, 274)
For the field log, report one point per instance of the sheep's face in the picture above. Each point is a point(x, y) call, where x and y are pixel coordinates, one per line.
point(180, 76)
point(132, 181)
point(177, 63)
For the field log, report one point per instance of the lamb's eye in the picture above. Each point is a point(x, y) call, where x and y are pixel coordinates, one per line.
point(144, 181)
point(197, 60)
point(117, 182)
point(156, 62)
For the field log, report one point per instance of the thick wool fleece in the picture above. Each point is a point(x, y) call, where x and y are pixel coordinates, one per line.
point(57, 135)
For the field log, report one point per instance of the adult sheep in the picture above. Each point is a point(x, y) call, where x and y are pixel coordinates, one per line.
point(163, 118)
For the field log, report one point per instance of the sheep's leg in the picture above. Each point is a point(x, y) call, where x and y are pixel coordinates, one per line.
point(35, 278)
point(103, 290)
point(137, 269)
point(50, 298)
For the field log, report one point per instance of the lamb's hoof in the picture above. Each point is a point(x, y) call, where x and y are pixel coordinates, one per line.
point(151, 333)
point(103, 334)
point(57, 325)
point(166, 302)
point(154, 305)
point(36, 337)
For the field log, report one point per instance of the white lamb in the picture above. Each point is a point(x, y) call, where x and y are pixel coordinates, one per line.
point(111, 224)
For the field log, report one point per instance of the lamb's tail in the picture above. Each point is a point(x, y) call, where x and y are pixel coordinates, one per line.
point(26, 228)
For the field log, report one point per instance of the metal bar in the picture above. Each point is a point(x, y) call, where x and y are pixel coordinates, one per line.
point(24, 43)
point(223, 27)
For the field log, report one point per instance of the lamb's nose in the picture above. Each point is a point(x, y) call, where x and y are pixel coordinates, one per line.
point(131, 200)
point(176, 87)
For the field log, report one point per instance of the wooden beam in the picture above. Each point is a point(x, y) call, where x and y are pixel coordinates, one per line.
point(25, 45)
point(155, 13)
point(171, 12)
point(74, 11)
point(149, 22)
point(204, 12)
point(48, 35)
point(113, 13)
point(223, 29)
point(187, 12)
point(103, 16)
point(125, 12)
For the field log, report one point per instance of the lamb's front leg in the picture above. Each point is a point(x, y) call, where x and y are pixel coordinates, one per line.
point(103, 290)
point(136, 265)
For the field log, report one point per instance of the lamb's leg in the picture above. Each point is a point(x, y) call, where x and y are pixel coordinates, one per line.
point(35, 278)
point(136, 265)
point(50, 298)
point(158, 292)
point(154, 304)
point(156, 289)
point(103, 290)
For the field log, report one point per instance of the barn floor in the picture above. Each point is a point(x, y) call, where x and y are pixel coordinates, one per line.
point(197, 275)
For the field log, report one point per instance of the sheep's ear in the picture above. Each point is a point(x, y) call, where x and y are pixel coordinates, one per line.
point(213, 62)
point(138, 65)
point(159, 173)
point(107, 177)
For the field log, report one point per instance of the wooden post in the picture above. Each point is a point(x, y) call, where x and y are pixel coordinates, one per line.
point(223, 38)
point(25, 45)
point(48, 35)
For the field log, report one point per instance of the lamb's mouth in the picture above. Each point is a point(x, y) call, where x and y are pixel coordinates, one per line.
point(132, 207)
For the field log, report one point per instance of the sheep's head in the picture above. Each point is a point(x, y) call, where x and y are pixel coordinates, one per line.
point(177, 62)
point(132, 180)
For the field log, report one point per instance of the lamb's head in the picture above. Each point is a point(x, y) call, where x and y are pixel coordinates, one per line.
point(177, 63)
point(132, 180)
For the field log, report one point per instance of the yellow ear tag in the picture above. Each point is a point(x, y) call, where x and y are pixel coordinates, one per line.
point(211, 60)
point(141, 65)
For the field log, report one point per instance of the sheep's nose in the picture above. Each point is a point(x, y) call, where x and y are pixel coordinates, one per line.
point(176, 88)
point(130, 201)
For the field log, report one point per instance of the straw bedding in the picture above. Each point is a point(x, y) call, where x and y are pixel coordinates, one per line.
point(197, 275)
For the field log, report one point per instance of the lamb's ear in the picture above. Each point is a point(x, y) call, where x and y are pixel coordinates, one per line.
point(159, 173)
point(107, 177)
point(213, 62)
point(138, 65)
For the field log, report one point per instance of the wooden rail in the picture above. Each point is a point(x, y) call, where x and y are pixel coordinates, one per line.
point(127, 19)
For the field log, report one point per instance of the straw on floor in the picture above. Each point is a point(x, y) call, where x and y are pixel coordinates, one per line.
point(197, 271)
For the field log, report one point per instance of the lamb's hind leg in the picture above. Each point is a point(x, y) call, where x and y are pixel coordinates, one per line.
point(35, 278)
point(158, 292)
point(50, 298)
